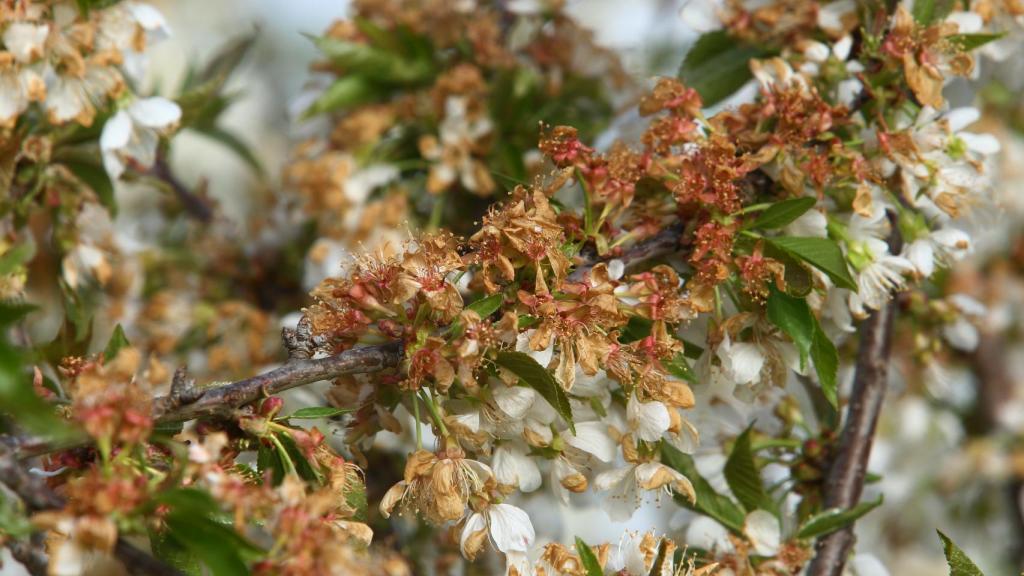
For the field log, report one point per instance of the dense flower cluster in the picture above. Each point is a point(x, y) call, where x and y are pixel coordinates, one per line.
point(530, 317)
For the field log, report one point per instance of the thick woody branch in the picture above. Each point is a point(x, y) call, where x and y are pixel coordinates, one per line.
point(845, 480)
point(37, 496)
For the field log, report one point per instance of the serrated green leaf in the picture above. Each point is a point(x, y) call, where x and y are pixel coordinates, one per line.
point(537, 377)
point(828, 521)
point(968, 42)
point(680, 368)
point(959, 563)
point(312, 412)
point(929, 11)
point(822, 253)
point(117, 342)
point(718, 65)
point(744, 478)
point(783, 213)
point(588, 558)
point(709, 502)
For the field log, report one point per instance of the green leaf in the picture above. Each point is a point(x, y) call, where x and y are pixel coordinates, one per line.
point(828, 521)
point(537, 377)
point(822, 253)
point(718, 65)
point(15, 257)
point(173, 552)
point(783, 213)
point(744, 478)
point(959, 563)
point(95, 176)
point(680, 368)
point(826, 364)
point(637, 328)
point(929, 11)
point(267, 459)
point(235, 144)
point(355, 497)
point(308, 471)
point(968, 42)
point(373, 63)
point(588, 558)
point(17, 396)
point(117, 341)
point(709, 502)
point(794, 317)
point(484, 307)
point(213, 543)
point(12, 311)
point(347, 91)
point(313, 412)
point(14, 522)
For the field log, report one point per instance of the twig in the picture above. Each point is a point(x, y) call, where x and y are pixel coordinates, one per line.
point(665, 242)
point(37, 496)
point(187, 403)
point(194, 205)
point(845, 480)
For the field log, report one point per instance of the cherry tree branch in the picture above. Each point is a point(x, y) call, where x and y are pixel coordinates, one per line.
point(845, 479)
point(186, 402)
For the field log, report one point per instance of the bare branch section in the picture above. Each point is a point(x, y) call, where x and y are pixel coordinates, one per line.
point(37, 496)
point(845, 480)
point(222, 400)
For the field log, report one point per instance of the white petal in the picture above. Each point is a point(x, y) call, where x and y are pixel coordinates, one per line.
point(867, 565)
point(648, 419)
point(150, 19)
point(616, 268)
point(961, 335)
point(762, 530)
point(513, 467)
point(922, 257)
point(842, 47)
point(968, 305)
point(514, 400)
point(960, 118)
point(511, 528)
point(593, 438)
point(155, 112)
point(968, 22)
point(610, 478)
point(25, 40)
point(742, 361)
point(985, 144)
point(475, 524)
point(705, 533)
point(702, 15)
point(116, 132)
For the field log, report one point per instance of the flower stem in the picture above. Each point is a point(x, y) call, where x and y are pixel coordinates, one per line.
point(432, 407)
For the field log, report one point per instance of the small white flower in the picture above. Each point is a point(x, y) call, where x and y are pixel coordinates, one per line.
point(627, 486)
point(131, 137)
point(741, 361)
point(594, 439)
point(25, 40)
point(810, 224)
point(942, 247)
point(509, 529)
point(879, 276)
point(514, 467)
point(649, 420)
point(762, 530)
